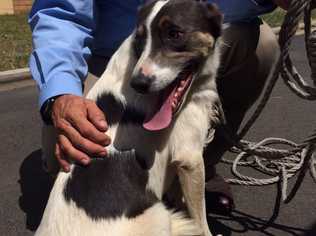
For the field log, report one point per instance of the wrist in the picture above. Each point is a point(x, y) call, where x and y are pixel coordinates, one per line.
point(46, 110)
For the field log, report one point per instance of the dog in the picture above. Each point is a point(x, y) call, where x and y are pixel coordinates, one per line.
point(159, 96)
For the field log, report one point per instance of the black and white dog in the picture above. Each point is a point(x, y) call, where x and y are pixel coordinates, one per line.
point(160, 100)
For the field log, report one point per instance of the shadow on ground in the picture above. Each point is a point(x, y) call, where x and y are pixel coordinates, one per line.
point(241, 223)
point(311, 231)
point(35, 188)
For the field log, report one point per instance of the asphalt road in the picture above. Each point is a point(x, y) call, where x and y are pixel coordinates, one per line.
point(24, 187)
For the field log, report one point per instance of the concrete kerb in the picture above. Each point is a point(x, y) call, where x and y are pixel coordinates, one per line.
point(17, 75)
point(24, 74)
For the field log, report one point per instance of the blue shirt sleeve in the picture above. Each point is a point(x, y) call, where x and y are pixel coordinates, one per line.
point(62, 34)
point(243, 10)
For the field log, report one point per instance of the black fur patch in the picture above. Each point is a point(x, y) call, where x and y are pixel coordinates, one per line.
point(110, 187)
point(111, 106)
point(133, 115)
point(140, 38)
point(139, 41)
point(115, 111)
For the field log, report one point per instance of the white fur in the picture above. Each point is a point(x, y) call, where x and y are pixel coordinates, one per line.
point(155, 221)
point(182, 226)
point(184, 148)
point(165, 74)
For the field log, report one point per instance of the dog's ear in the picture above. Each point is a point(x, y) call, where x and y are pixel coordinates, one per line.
point(145, 9)
point(215, 19)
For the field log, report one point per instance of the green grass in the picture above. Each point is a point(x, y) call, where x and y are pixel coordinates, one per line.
point(276, 18)
point(15, 42)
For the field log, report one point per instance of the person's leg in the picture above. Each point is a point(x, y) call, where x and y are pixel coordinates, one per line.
point(248, 55)
point(50, 164)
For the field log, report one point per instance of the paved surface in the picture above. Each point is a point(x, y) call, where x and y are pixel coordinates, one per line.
point(257, 212)
point(24, 188)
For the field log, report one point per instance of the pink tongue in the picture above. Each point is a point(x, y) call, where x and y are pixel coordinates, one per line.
point(163, 117)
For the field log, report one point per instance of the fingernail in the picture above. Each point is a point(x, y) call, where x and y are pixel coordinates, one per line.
point(85, 161)
point(103, 123)
point(107, 142)
point(103, 153)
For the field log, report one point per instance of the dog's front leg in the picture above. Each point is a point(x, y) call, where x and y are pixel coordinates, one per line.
point(190, 169)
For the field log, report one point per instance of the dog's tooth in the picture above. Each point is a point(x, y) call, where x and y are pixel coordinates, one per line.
point(180, 89)
point(173, 105)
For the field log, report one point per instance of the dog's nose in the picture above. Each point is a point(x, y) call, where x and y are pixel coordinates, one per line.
point(141, 83)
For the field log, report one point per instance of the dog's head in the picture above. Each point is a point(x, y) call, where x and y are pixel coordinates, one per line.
point(172, 41)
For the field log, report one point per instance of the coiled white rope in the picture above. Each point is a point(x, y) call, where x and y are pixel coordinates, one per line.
point(280, 164)
point(278, 169)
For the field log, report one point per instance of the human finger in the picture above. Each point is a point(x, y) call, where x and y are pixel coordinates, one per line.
point(96, 116)
point(89, 131)
point(64, 165)
point(81, 143)
point(70, 152)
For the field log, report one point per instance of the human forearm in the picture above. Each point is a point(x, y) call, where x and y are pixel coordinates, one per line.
point(62, 32)
point(61, 36)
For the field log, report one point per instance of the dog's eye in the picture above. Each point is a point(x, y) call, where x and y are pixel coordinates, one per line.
point(174, 34)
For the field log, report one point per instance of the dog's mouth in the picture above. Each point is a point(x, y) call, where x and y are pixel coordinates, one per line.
point(172, 99)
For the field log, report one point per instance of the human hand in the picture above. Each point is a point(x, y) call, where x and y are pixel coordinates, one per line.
point(81, 128)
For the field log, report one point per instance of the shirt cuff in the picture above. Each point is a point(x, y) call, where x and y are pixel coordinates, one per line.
point(63, 84)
